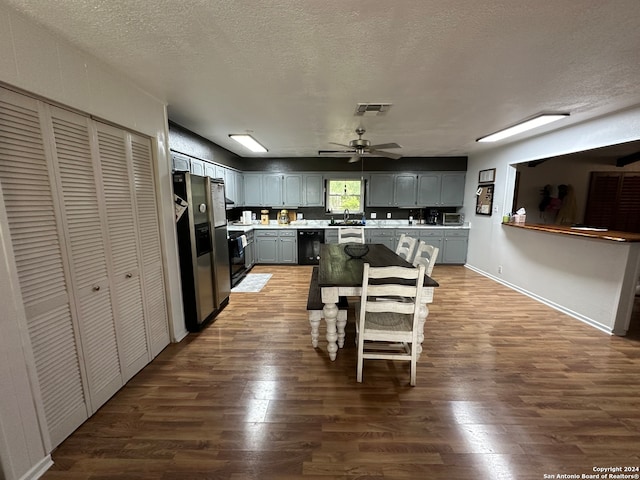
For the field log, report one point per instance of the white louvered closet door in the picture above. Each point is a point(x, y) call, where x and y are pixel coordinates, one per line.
point(149, 233)
point(83, 222)
point(30, 202)
point(122, 232)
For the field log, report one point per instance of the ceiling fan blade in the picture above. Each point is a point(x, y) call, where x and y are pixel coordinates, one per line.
point(336, 152)
point(384, 145)
point(380, 153)
point(355, 158)
point(340, 144)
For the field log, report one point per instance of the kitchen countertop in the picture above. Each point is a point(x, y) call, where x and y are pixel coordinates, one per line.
point(314, 224)
point(610, 235)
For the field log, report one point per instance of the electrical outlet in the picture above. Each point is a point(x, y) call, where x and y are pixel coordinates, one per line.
point(499, 268)
point(373, 215)
point(388, 215)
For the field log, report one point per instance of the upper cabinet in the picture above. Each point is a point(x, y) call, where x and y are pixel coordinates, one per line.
point(441, 189)
point(428, 189)
point(312, 190)
point(283, 190)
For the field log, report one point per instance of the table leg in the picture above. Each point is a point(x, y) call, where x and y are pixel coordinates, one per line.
point(314, 321)
point(330, 313)
point(340, 324)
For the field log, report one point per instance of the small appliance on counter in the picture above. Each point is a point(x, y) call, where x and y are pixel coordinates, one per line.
point(432, 218)
point(452, 219)
point(283, 217)
point(264, 217)
point(246, 217)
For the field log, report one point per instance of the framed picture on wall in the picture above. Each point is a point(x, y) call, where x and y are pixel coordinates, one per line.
point(484, 199)
point(487, 176)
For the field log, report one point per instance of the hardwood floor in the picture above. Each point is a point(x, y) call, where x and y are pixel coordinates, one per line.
point(507, 388)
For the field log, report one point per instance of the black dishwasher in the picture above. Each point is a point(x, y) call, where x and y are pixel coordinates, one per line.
point(309, 246)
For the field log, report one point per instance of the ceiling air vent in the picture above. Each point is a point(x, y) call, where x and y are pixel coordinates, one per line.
point(369, 109)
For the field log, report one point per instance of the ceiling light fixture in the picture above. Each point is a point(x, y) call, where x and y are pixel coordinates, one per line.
point(249, 142)
point(534, 122)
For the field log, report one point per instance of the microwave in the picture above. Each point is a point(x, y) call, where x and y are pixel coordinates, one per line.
point(452, 219)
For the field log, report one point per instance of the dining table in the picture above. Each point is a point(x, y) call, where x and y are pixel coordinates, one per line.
point(340, 274)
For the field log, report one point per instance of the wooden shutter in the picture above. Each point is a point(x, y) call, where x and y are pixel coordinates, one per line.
point(149, 232)
point(628, 212)
point(83, 224)
point(614, 201)
point(35, 236)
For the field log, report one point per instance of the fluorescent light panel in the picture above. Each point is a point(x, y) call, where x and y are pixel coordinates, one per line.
point(249, 142)
point(524, 126)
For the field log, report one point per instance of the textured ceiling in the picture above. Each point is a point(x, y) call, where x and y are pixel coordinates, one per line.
point(292, 71)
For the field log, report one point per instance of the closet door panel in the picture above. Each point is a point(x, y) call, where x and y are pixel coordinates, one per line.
point(35, 232)
point(123, 241)
point(87, 252)
point(149, 234)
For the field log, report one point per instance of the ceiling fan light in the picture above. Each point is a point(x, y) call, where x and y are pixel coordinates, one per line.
point(530, 124)
point(249, 142)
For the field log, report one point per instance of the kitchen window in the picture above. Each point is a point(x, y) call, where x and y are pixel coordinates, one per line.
point(346, 194)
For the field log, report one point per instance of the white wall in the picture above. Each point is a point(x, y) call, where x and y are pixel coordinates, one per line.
point(37, 62)
point(589, 279)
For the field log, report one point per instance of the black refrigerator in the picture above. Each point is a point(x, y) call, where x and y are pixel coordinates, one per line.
point(201, 227)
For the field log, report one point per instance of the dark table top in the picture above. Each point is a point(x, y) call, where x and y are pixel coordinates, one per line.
point(337, 269)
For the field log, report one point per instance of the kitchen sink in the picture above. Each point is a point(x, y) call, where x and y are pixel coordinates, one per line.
point(349, 223)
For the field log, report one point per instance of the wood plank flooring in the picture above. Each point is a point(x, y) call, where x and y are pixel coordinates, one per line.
point(507, 388)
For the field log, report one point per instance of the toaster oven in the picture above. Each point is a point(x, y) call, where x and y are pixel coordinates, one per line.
point(452, 219)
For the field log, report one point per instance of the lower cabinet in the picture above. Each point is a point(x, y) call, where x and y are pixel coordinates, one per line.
point(455, 246)
point(385, 236)
point(249, 250)
point(331, 235)
point(452, 244)
point(276, 246)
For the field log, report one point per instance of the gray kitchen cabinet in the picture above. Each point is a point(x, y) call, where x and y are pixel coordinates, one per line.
point(288, 247)
point(197, 167)
point(380, 190)
point(455, 246)
point(239, 200)
point(312, 190)
point(272, 190)
point(389, 190)
point(452, 191)
point(180, 163)
point(219, 172)
point(230, 184)
point(253, 189)
point(292, 190)
point(249, 257)
point(266, 242)
point(433, 237)
point(405, 187)
point(444, 189)
point(209, 170)
point(385, 236)
point(429, 189)
point(331, 235)
point(276, 246)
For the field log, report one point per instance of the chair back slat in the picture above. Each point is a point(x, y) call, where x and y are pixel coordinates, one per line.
point(406, 247)
point(426, 255)
point(350, 235)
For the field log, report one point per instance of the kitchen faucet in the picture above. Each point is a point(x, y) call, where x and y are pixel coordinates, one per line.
point(346, 215)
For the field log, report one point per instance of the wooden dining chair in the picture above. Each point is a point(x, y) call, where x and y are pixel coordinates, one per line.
point(406, 246)
point(351, 235)
point(426, 255)
point(388, 329)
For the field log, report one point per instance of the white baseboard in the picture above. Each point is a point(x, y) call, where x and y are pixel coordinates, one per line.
point(549, 303)
point(38, 469)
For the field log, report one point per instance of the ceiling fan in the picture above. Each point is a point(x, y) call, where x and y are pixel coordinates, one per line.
point(360, 147)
